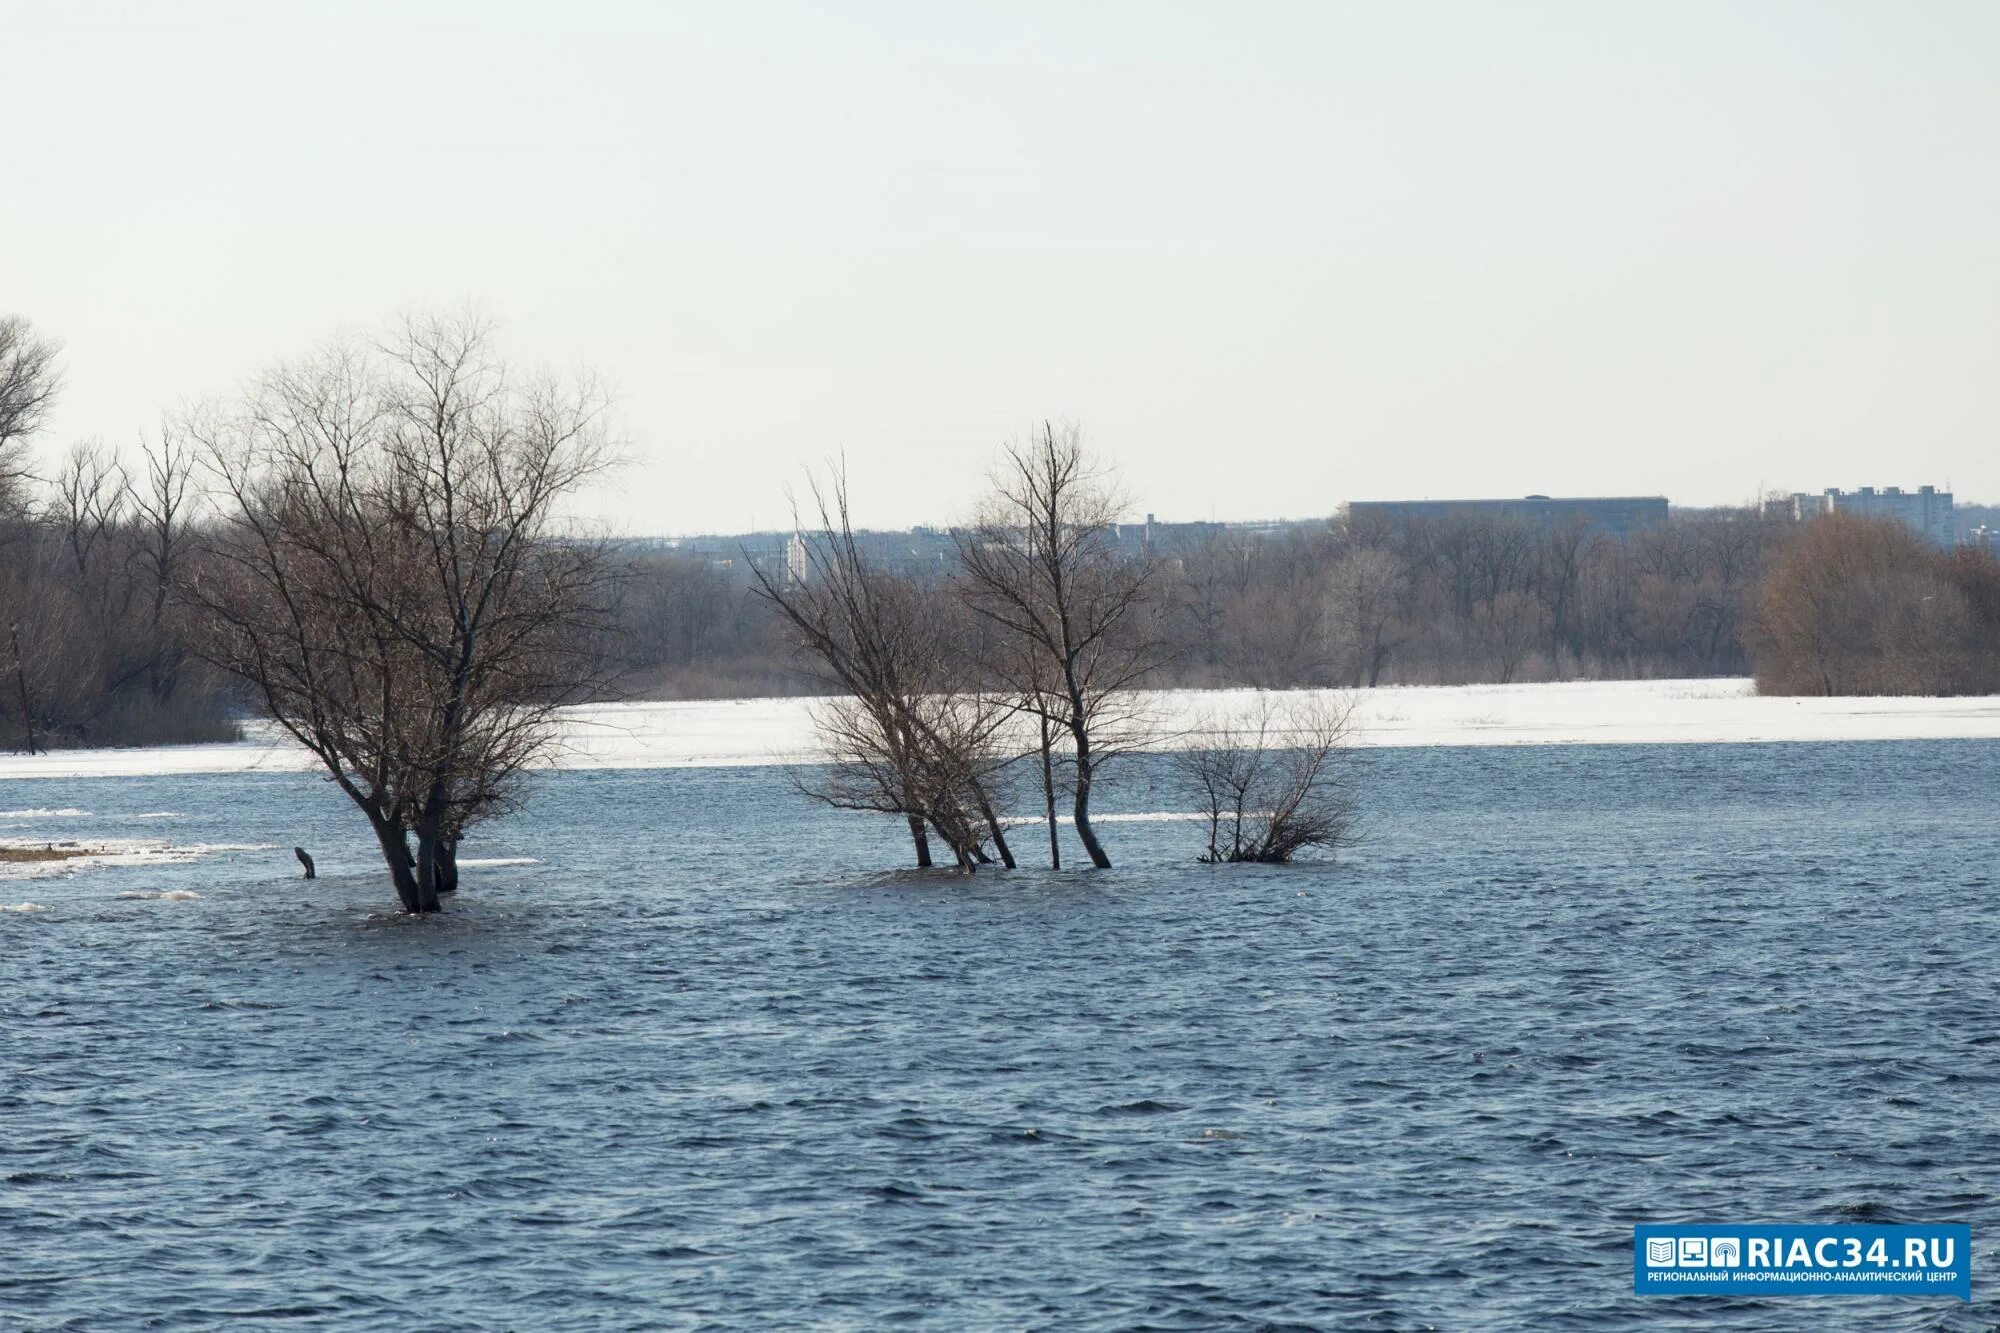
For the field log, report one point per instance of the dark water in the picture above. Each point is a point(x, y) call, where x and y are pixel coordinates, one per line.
point(706, 1065)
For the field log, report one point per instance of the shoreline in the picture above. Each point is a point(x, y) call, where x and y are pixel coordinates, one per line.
point(748, 732)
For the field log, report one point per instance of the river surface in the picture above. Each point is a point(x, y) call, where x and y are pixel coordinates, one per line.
point(705, 1057)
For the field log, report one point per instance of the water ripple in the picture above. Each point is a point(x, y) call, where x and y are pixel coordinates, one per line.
point(689, 1054)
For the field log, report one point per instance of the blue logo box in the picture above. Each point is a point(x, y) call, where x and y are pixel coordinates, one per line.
point(1703, 1259)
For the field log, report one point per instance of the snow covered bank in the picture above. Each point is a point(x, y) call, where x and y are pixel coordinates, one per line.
point(764, 731)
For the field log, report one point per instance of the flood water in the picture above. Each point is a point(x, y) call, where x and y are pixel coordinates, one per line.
point(708, 1059)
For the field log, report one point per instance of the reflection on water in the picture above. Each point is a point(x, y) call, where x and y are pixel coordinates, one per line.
point(689, 1052)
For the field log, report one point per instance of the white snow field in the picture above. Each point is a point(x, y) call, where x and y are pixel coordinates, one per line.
point(779, 731)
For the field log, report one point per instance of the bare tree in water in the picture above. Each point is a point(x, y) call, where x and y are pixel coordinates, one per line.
point(1043, 566)
point(1275, 784)
point(392, 580)
point(910, 735)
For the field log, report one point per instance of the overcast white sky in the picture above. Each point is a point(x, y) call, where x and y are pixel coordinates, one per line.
point(1271, 256)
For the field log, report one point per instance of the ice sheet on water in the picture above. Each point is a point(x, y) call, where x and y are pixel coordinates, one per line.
point(102, 852)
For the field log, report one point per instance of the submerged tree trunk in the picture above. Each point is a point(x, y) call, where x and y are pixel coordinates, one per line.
point(993, 827)
point(952, 826)
point(396, 852)
point(427, 873)
point(1049, 794)
point(430, 834)
point(962, 852)
point(1084, 832)
point(922, 840)
point(447, 864)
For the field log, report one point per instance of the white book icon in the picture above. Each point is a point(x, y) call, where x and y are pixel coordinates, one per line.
point(1660, 1251)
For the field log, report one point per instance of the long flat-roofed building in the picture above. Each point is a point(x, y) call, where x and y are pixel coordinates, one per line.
point(1615, 515)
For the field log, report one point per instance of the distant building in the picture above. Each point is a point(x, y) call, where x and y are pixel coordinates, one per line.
point(1927, 509)
point(924, 554)
point(1156, 538)
point(1614, 515)
point(733, 555)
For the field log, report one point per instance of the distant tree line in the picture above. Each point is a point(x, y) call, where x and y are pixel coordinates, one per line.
point(96, 650)
point(1430, 601)
point(689, 628)
point(1466, 599)
point(1439, 601)
point(1435, 601)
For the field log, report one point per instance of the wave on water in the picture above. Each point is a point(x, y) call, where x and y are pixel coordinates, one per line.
point(1221, 1104)
point(499, 861)
point(45, 812)
point(169, 895)
point(22, 907)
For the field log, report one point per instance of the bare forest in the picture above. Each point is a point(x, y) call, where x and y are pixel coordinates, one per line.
point(97, 649)
point(1446, 602)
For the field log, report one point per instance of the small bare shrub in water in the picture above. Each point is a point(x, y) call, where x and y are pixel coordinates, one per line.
point(1277, 784)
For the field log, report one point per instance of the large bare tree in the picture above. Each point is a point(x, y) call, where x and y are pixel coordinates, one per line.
point(393, 580)
point(911, 734)
point(1042, 564)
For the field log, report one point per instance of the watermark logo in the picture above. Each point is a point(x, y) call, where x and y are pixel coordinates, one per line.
point(1780, 1260)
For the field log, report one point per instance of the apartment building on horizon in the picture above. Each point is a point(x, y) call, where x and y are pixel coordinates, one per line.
point(1926, 510)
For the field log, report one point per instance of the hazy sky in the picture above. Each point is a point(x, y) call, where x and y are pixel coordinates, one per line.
point(1270, 256)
